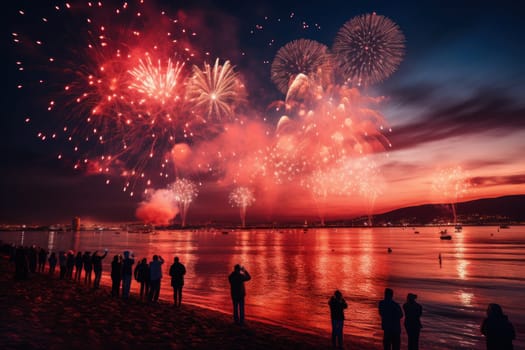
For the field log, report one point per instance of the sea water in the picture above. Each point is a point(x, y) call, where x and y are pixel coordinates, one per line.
point(294, 272)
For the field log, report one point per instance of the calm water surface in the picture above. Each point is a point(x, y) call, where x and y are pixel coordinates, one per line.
point(294, 274)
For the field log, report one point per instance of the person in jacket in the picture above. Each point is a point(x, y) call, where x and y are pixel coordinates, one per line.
point(177, 272)
point(127, 273)
point(78, 266)
point(391, 315)
point(413, 326)
point(97, 267)
point(52, 263)
point(497, 329)
point(238, 291)
point(88, 267)
point(116, 275)
point(155, 276)
point(337, 306)
point(141, 275)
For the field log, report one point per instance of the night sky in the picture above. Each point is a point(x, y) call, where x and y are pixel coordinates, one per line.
point(456, 100)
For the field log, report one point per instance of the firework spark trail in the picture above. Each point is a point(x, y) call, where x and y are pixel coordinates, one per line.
point(451, 184)
point(336, 123)
point(369, 48)
point(215, 91)
point(133, 109)
point(242, 197)
point(369, 182)
point(119, 91)
point(324, 184)
point(184, 192)
point(155, 81)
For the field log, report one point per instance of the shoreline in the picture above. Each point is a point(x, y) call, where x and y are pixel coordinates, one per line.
point(44, 312)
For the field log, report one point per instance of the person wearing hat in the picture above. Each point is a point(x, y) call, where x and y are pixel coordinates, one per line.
point(413, 326)
point(337, 307)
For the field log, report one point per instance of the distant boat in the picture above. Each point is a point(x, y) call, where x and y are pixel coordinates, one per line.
point(141, 228)
point(458, 227)
point(416, 232)
point(225, 232)
point(445, 236)
point(504, 226)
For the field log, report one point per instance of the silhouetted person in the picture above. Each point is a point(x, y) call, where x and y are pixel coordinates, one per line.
point(155, 276)
point(177, 272)
point(413, 326)
point(439, 257)
point(78, 266)
point(97, 267)
point(88, 267)
point(62, 261)
point(70, 262)
point(127, 273)
point(52, 263)
point(238, 291)
point(141, 274)
point(42, 257)
point(32, 257)
point(337, 306)
point(391, 315)
point(497, 329)
point(116, 275)
point(21, 265)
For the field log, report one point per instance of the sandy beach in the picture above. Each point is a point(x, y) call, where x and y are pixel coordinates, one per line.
point(44, 312)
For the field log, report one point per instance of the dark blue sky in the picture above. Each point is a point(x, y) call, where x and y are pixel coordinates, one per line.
point(463, 72)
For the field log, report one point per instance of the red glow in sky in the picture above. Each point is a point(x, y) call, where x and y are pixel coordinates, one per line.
point(142, 97)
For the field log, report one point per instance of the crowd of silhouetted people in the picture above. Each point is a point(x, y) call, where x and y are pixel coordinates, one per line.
point(498, 330)
point(30, 260)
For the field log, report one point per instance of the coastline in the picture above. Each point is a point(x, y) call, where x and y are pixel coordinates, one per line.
point(44, 312)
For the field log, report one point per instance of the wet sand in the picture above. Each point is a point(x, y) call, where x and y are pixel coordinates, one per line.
point(44, 312)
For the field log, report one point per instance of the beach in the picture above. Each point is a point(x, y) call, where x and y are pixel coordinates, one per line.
point(44, 312)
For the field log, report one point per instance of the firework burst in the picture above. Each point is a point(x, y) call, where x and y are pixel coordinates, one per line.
point(307, 57)
point(451, 184)
point(184, 192)
point(157, 82)
point(369, 48)
point(215, 91)
point(242, 197)
point(337, 123)
point(116, 89)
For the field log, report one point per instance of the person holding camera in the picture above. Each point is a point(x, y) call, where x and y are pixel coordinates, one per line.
point(337, 306)
point(238, 292)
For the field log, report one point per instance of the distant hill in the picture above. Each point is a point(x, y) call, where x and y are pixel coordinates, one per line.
point(487, 210)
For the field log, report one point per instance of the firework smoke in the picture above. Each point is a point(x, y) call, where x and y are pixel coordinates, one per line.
point(158, 208)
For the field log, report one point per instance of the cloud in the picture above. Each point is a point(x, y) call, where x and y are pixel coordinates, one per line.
point(498, 180)
point(486, 112)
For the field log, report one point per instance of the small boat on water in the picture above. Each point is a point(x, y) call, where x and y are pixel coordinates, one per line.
point(458, 227)
point(443, 235)
point(504, 226)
